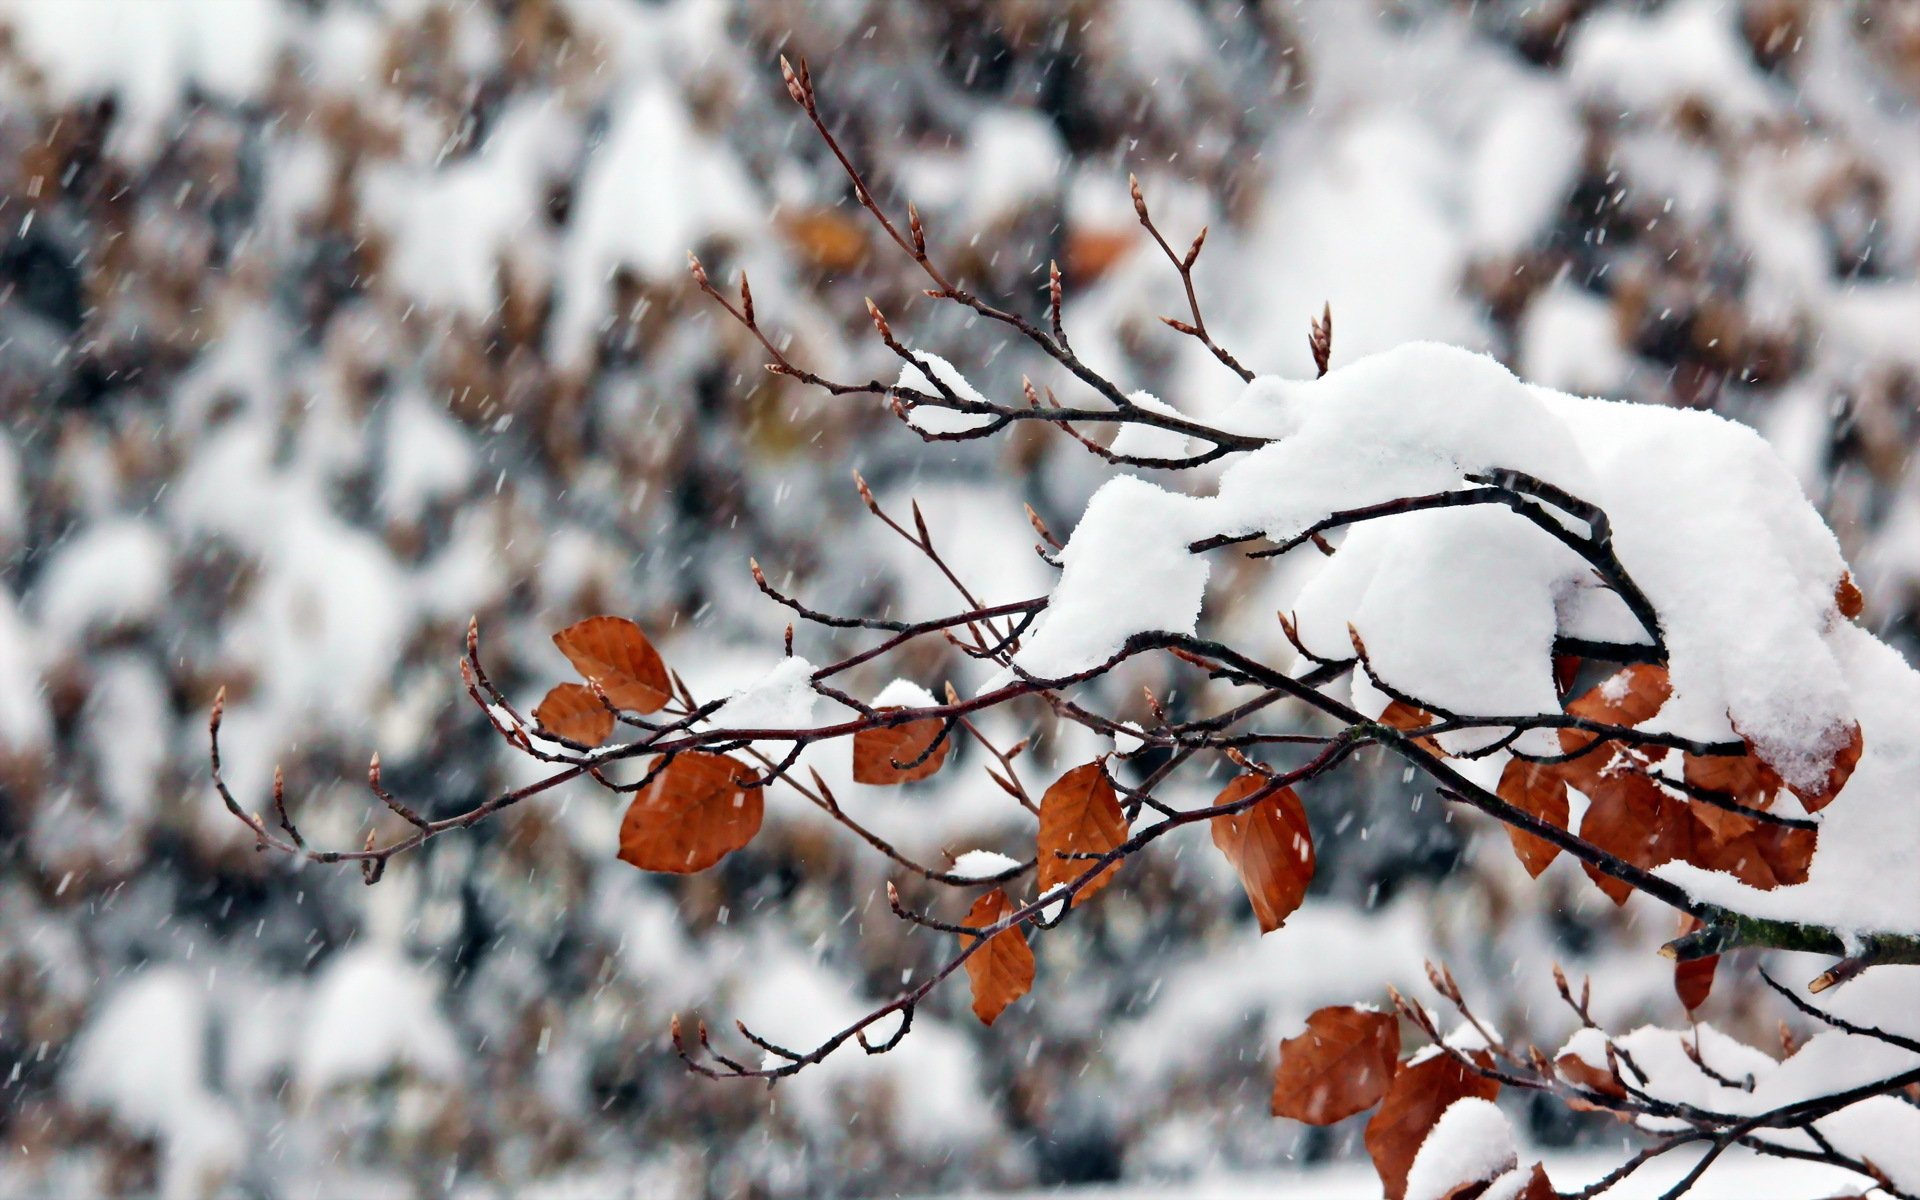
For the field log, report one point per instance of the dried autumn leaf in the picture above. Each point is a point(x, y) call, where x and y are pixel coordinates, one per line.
point(1839, 769)
point(827, 239)
point(1270, 846)
point(1763, 855)
point(695, 811)
point(572, 711)
point(1539, 1187)
point(1405, 717)
point(1693, 979)
point(1741, 777)
point(1541, 791)
point(1626, 698)
point(1419, 1093)
point(1002, 970)
point(1632, 818)
point(1340, 1066)
point(1079, 815)
point(612, 654)
point(899, 753)
point(1847, 597)
point(1581, 1073)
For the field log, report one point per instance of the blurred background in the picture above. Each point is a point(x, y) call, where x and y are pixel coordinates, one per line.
point(324, 326)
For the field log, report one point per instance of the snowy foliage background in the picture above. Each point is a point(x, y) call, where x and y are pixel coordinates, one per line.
point(324, 326)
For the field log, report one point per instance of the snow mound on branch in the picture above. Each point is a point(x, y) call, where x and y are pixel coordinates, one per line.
point(1460, 607)
point(783, 698)
point(928, 419)
point(1470, 1142)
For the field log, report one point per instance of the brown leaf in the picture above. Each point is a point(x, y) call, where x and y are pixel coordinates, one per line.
point(1632, 818)
point(898, 753)
point(1742, 777)
point(1847, 597)
point(1420, 1092)
point(1581, 1073)
point(1627, 697)
point(1405, 717)
point(572, 711)
point(1839, 770)
point(1340, 1066)
point(1693, 979)
point(695, 811)
point(612, 654)
point(1079, 815)
point(1762, 855)
point(1002, 970)
point(1270, 846)
point(1541, 791)
point(1565, 668)
point(1539, 1187)
point(827, 239)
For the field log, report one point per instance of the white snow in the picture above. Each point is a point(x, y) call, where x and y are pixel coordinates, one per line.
point(929, 419)
point(1145, 441)
point(783, 698)
point(1470, 1142)
point(372, 1010)
point(982, 864)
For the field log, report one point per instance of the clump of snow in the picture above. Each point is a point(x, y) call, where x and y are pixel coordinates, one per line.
point(1472, 1141)
point(371, 1011)
point(113, 572)
point(1126, 569)
point(428, 457)
point(1145, 441)
point(1689, 50)
point(25, 721)
point(1523, 166)
point(783, 698)
point(1460, 607)
point(148, 55)
point(928, 419)
point(651, 191)
point(982, 864)
point(142, 1058)
point(903, 693)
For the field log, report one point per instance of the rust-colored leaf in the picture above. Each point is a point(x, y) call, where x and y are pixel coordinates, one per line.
point(826, 238)
point(1539, 1187)
point(1270, 846)
point(1693, 979)
point(1839, 770)
point(1847, 597)
point(1565, 668)
point(899, 753)
point(612, 654)
point(1761, 855)
point(1340, 1066)
point(572, 711)
point(1001, 971)
point(1632, 818)
point(695, 811)
point(1626, 698)
point(1079, 814)
point(1420, 1092)
point(1405, 717)
point(1541, 791)
point(1741, 777)
point(1581, 1073)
